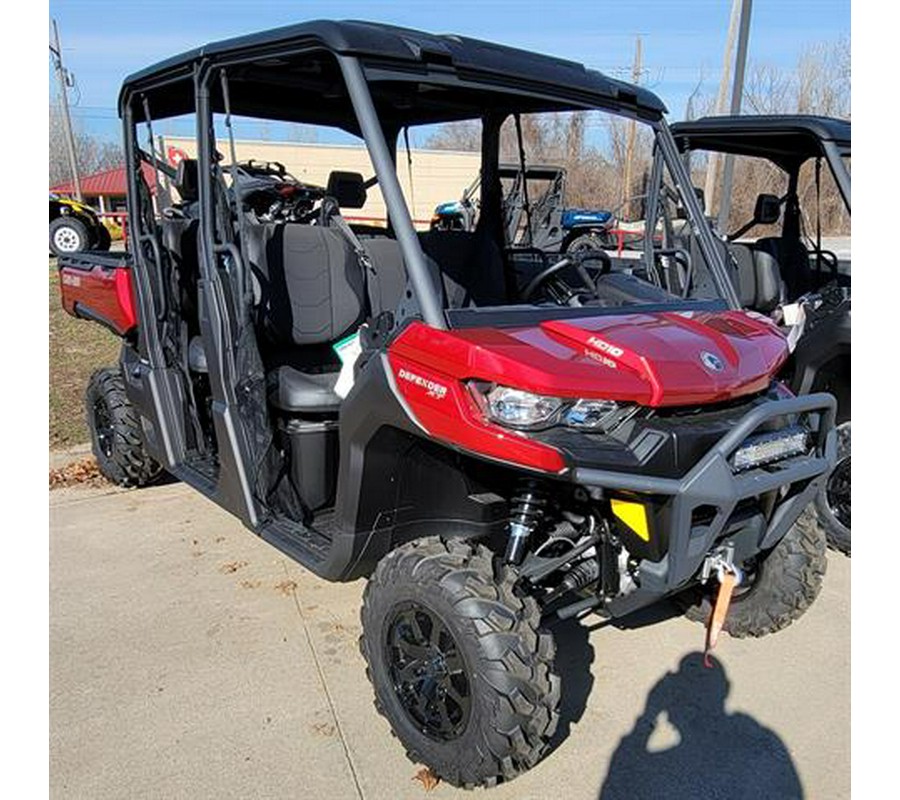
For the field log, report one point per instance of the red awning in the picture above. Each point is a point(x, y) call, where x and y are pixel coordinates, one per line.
point(109, 182)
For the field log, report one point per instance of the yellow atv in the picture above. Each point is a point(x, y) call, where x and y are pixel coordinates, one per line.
point(75, 227)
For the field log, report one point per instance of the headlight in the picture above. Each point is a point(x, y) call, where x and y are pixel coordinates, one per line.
point(516, 408)
point(590, 413)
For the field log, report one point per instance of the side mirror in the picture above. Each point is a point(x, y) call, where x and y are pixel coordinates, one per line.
point(768, 210)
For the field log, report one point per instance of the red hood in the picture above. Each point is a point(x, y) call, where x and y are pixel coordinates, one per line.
point(659, 359)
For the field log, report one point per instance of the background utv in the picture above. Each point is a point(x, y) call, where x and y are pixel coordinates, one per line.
point(790, 267)
point(519, 436)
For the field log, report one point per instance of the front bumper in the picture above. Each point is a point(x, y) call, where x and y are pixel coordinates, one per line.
point(712, 486)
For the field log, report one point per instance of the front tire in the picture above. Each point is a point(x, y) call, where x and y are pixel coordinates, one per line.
point(460, 666)
point(779, 589)
point(68, 234)
point(116, 437)
point(832, 504)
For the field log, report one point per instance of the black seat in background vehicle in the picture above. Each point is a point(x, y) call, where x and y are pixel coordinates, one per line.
point(759, 285)
point(791, 260)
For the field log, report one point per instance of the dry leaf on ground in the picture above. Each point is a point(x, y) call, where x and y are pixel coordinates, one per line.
point(82, 472)
point(232, 566)
point(427, 778)
point(286, 587)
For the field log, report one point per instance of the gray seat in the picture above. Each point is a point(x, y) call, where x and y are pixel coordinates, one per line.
point(387, 284)
point(303, 392)
point(770, 288)
point(311, 294)
point(471, 270)
point(471, 267)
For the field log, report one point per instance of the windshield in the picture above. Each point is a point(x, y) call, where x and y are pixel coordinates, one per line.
point(583, 220)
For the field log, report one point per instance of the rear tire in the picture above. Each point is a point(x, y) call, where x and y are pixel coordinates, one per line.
point(104, 240)
point(590, 241)
point(439, 616)
point(832, 504)
point(116, 437)
point(68, 235)
point(780, 590)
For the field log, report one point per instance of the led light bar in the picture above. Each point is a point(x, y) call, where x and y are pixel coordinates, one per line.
point(766, 448)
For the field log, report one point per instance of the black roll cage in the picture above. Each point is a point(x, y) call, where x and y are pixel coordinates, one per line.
point(222, 272)
point(355, 73)
point(786, 140)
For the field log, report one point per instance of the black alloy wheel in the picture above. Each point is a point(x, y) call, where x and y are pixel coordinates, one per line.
point(428, 672)
point(103, 427)
point(832, 504)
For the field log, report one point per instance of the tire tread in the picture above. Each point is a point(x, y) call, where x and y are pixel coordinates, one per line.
point(129, 464)
point(516, 653)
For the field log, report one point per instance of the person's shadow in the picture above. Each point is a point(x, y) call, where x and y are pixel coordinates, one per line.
point(703, 752)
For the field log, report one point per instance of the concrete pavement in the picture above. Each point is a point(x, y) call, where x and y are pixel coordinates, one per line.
point(191, 660)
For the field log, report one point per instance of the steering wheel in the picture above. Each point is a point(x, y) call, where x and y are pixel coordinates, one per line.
point(575, 259)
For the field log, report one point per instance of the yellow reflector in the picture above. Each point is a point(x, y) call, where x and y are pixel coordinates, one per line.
point(633, 515)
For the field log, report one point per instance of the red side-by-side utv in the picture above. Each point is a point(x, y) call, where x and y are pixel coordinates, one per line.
point(495, 437)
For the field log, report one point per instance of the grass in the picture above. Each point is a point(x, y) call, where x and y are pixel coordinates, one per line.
point(77, 348)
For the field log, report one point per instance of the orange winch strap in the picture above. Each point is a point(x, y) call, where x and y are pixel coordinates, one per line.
point(720, 610)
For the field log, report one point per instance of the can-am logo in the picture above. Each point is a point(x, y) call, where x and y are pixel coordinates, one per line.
point(712, 362)
point(606, 347)
point(71, 280)
point(433, 388)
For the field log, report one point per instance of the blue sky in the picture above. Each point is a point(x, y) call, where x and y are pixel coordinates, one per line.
point(682, 39)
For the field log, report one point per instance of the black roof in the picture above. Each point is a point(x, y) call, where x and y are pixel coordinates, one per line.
point(390, 54)
point(779, 137)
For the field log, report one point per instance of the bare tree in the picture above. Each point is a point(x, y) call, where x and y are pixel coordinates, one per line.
point(93, 154)
point(819, 84)
point(463, 135)
point(561, 140)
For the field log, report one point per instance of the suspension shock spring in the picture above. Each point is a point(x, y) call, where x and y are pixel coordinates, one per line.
point(527, 512)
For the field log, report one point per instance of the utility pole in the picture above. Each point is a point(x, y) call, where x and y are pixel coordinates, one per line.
point(737, 95)
point(632, 129)
point(712, 167)
point(63, 77)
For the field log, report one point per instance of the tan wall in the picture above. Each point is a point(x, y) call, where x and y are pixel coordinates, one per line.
point(437, 175)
